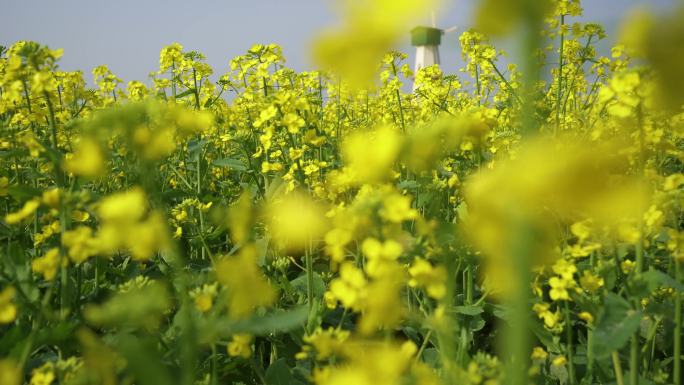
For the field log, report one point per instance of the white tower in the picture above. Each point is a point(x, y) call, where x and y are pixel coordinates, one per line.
point(427, 41)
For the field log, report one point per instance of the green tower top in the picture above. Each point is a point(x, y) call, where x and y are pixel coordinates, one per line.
point(426, 36)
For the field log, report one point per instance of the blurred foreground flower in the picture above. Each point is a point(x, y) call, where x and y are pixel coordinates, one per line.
point(551, 182)
point(370, 29)
point(126, 224)
point(295, 221)
point(661, 42)
point(246, 284)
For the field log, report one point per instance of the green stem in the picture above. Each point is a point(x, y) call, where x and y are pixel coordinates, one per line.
point(559, 91)
point(506, 82)
point(634, 360)
point(590, 354)
point(517, 344)
point(401, 108)
point(214, 365)
point(469, 285)
point(634, 346)
point(618, 369)
point(677, 367)
point(568, 344)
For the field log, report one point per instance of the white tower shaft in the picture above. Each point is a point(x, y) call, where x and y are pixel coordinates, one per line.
point(426, 55)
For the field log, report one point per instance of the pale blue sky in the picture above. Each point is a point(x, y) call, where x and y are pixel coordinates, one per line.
point(128, 34)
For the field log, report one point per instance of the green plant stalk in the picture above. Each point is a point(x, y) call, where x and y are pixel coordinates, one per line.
point(469, 285)
point(590, 355)
point(308, 258)
point(448, 349)
point(677, 354)
point(198, 162)
point(618, 369)
point(559, 91)
point(517, 344)
point(590, 335)
point(634, 360)
point(214, 365)
point(516, 340)
point(401, 108)
point(503, 79)
point(634, 346)
point(568, 345)
point(531, 43)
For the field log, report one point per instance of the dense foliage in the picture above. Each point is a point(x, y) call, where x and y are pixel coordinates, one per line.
point(503, 225)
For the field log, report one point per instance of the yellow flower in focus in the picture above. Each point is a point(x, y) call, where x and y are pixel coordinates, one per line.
point(538, 353)
point(590, 282)
point(8, 310)
point(551, 319)
point(559, 288)
point(240, 346)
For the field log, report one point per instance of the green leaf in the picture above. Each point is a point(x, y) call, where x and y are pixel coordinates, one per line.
point(278, 373)
point(231, 163)
point(277, 321)
point(615, 326)
point(408, 185)
point(138, 307)
point(143, 360)
point(300, 284)
point(23, 192)
point(469, 309)
point(656, 278)
point(544, 336)
point(185, 93)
